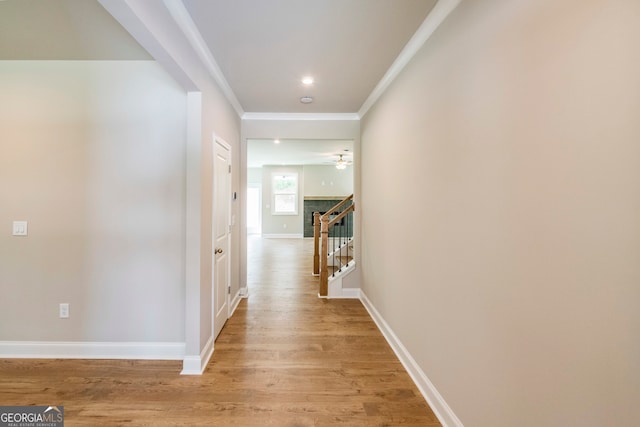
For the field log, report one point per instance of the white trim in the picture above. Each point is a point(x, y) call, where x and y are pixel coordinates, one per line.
point(131, 18)
point(244, 292)
point(234, 303)
point(91, 350)
point(336, 291)
point(276, 193)
point(351, 293)
point(181, 16)
point(191, 366)
point(283, 236)
point(438, 14)
point(429, 392)
point(300, 116)
point(334, 287)
point(195, 365)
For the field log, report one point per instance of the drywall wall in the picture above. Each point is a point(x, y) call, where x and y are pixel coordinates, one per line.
point(220, 119)
point(254, 175)
point(165, 32)
point(516, 161)
point(275, 224)
point(327, 181)
point(92, 154)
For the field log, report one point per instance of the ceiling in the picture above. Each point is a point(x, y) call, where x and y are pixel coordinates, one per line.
point(265, 47)
point(263, 152)
point(262, 47)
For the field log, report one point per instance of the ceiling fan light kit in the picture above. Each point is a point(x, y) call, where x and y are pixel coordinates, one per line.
point(341, 163)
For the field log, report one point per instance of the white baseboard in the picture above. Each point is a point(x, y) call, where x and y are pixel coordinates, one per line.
point(233, 304)
point(195, 365)
point(432, 396)
point(92, 350)
point(350, 293)
point(336, 290)
point(282, 236)
point(334, 287)
point(242, 293)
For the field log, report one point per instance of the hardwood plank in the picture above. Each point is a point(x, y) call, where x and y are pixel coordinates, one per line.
point(286, 358)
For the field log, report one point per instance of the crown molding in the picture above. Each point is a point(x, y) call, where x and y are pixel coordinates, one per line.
point(440, 11)
point(181, 16)
point(300, 116)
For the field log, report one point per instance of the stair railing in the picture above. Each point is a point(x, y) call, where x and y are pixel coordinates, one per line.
point(316, 232)
point(333, 233)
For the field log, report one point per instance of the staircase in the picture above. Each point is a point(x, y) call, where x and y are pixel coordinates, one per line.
point(333, 247)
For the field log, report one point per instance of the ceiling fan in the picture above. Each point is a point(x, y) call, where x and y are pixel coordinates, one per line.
point(341, 163)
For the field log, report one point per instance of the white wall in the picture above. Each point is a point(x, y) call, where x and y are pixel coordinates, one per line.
point(517, 160)
point(327, 181)
point(161, 29)
point(92, 154)
point(254, 175)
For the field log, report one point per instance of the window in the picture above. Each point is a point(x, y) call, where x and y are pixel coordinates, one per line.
point(285, 194)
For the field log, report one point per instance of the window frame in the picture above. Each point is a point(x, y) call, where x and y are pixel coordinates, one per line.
point(276, 193)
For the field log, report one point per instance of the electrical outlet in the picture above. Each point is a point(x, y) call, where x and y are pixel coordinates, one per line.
point(64, 310)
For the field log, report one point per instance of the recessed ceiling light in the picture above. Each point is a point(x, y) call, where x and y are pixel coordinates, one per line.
point(306, 100)
point(308, 80)
point(276, 141)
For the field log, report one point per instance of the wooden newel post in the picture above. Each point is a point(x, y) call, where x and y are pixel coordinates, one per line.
point(324, 252)
point(316, 243)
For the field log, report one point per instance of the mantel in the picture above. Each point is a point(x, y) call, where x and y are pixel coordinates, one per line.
point(324, 197)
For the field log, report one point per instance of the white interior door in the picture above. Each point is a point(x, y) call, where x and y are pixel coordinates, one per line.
point(221, 229)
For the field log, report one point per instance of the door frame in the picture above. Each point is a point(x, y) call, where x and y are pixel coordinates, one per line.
point(227, 146)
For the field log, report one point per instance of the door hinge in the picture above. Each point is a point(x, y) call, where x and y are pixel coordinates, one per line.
point(229, 168)
point(229, 289)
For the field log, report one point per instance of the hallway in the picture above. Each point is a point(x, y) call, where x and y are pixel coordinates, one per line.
point(285, 358)
point(314, 362)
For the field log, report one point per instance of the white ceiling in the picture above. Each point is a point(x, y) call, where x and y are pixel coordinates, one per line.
point(262, 47)
point(263, 152)
point(265, 47)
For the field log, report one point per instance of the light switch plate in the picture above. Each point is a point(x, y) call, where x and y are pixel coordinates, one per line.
point(20, 228)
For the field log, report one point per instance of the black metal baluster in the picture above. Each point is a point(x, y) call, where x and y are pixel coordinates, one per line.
point(340, 243)
point(348, 217)
point(333, 242)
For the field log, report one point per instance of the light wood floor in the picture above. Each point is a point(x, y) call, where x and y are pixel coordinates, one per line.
point(285, 358)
